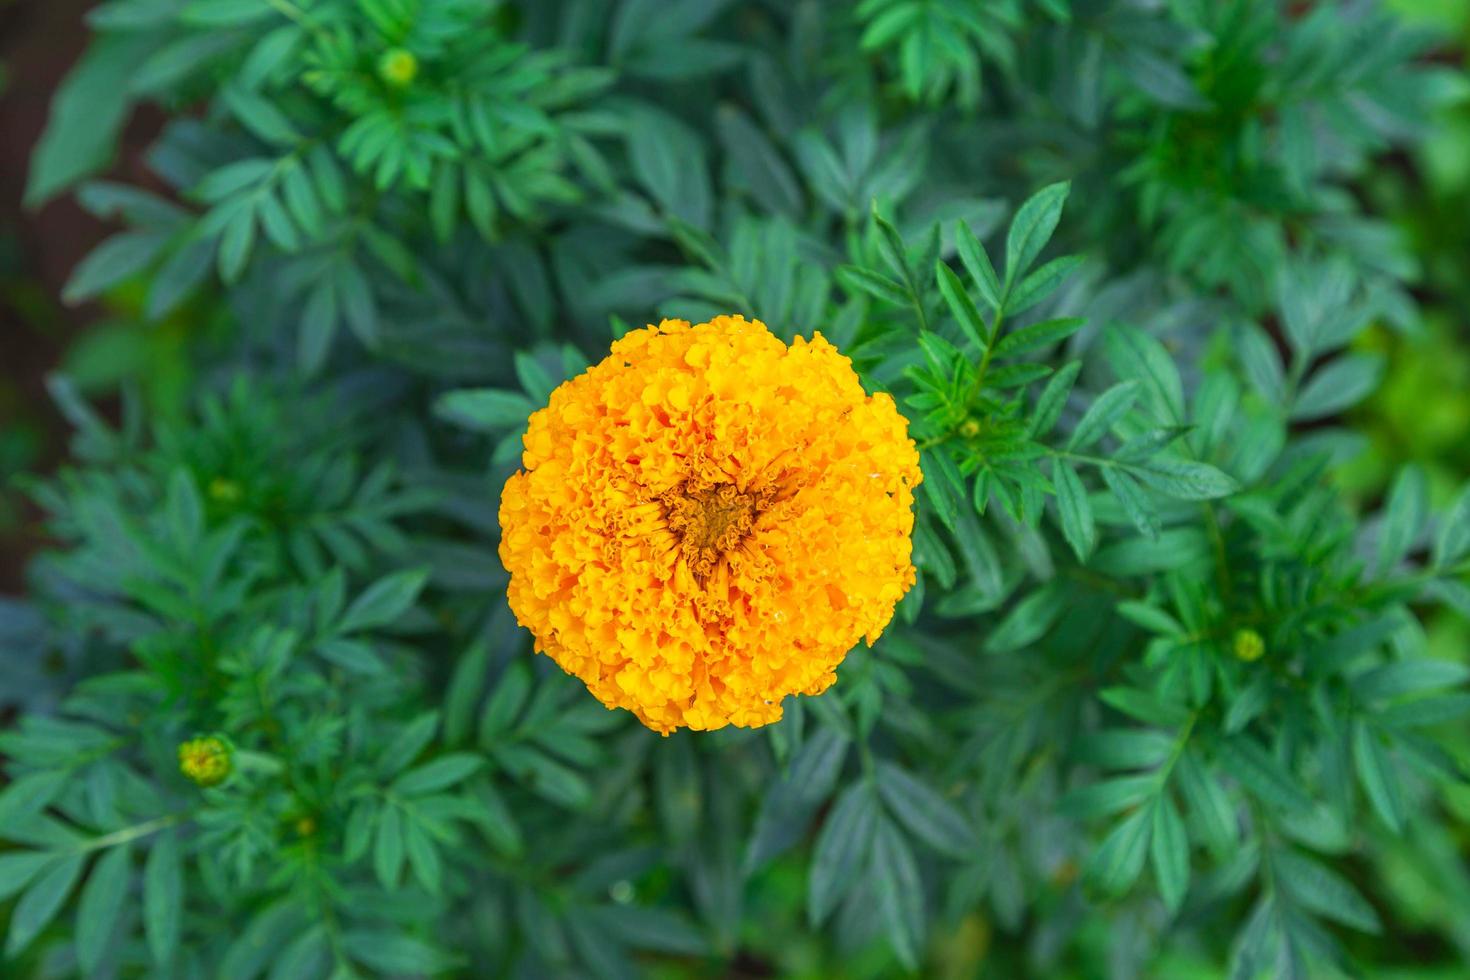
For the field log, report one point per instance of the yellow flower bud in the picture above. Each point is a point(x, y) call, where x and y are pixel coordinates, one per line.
point(207, 761)
point(970, 428)
point(398, 67)
point(1249, 645)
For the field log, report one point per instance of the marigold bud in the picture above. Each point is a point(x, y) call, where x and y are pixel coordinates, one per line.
point(224, 491)
point(398, 67)
point(1249, 645)
point(708, 521)
point(207, 761)
point(970, 428)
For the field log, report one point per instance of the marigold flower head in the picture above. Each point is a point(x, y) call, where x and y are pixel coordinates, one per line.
point(206, 761)
point(708, 520)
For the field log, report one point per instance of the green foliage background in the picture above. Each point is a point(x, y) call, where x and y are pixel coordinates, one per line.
point(1171, 292)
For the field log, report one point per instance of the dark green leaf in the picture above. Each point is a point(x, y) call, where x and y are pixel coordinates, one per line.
point(163, 897)
point(439, 774)
point(960, 305)
point(977, 264)
point(1040, 284)
point(101, 904)
point(1038, 335)
point(1115, 865)
point(1078, 525)
point(927, 815)
point(1170, 853)
point(841, 849)
point(1032, 228)
point(1261, 773)
point(1376, 772)
point(899, 891)
point(384, 601)
point(1105, 410)
point(41, 900)
point(388, 847)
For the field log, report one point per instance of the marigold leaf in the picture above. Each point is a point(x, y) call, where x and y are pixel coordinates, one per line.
point(977, 264)
point(899, 891)
point(101, 904)
point(1038, 335)
point(384, 601)
point(927, 815)
point(1261, 773)
point(1041, 284)
point(41, 900)
point(841, 848)
point(1106, 409)
point(1114, 866)
point(1077, 522)
point(163, 897)
point(1031, 229)
point(960, 305)
point(1169, 850)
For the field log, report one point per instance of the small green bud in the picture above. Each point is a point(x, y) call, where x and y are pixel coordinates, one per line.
point(207, 761)
point(970, 428)
point(398, 67)
point(224, 491)
point(1249, 645)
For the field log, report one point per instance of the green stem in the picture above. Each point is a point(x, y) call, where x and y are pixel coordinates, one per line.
point(131, 833)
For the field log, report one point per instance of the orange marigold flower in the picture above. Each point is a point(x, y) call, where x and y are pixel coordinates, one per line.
point(708, 521)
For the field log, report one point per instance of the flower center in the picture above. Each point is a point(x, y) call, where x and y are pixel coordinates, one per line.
point(710, 521)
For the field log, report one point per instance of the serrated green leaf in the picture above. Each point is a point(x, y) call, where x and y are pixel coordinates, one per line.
point(960, 305)
point(1338, 386)
point(1211, 811)
point(924, 813)
point(1378, 777)
point(41, 900)
point(1038, 335)
point(484, 409)
point(163, 897)
point(101, 904)
point(1404, 517)
point(1408, 677)
point(899, 892)
point(384, 601)
point(1139, 356)
point(1053, 399)
point(943, 485)
point(1184, 479)
point(388, 850)
point(1032, 228)
point(1040, 284)
point(1324, 891)
point(841, 849)
point(1106, 409)
point(1075, 509)
point(1115, 865)
point(1144, 706)
point(1110, 796)
point(859, 280)
point(977, 264)
point(1453, 540)
point(1136, 505)
point(1260, 772)
point(1169, 850)
point(438, 774)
